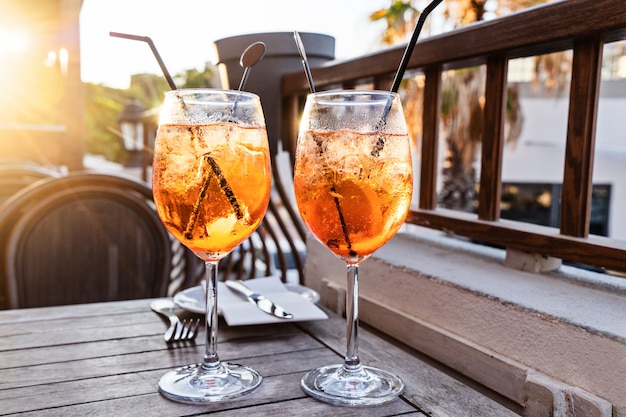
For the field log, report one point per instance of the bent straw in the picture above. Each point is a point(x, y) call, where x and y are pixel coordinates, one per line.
point(215, 168)
point(146, 39)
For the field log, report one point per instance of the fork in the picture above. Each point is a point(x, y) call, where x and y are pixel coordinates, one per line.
point(185, 330)
point(177, 330)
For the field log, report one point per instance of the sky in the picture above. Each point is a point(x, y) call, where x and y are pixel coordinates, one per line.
point(184, 31)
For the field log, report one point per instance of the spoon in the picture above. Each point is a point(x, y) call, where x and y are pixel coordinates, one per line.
point(249, 58)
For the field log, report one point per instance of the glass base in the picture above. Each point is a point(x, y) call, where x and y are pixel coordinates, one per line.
point(195, 384)
point(364, 385)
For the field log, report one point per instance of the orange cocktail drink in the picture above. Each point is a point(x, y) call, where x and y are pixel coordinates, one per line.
point(353, 182)
point(351, 201)
point(211, 184)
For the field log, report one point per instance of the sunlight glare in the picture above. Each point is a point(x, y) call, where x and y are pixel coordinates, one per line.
point(13, 41)
point(51, 59)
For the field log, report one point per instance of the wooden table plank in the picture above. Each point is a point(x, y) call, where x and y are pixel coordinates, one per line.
point(110, 364)
point(427, 387)
point(163, 359)
point(84, 344)
point(132, 383)
point(276, 396)
point(38, 314)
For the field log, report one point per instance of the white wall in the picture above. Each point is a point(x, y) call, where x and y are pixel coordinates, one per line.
point(539, 153)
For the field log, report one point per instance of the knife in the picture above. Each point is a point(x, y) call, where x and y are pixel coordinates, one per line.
point(262, 302)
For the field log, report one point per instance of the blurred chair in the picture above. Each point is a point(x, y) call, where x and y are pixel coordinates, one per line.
point(82, 238)
point(16, 175)
point(90, 237)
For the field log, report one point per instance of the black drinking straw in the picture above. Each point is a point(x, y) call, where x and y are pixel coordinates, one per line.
point(148, 40)
point(380, 144)
point(409, 47)
point(228, 193)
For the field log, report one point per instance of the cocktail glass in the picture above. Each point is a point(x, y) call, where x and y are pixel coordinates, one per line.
point(353, 184)
point(211, 184)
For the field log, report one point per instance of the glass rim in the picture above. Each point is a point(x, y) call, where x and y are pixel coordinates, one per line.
point(381, 95)
point(184, 92)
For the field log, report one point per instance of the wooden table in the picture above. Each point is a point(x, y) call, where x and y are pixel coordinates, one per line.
point(106, 359)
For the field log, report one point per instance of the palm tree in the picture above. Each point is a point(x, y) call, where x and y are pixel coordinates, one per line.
point(399, 17)
point(462, 122)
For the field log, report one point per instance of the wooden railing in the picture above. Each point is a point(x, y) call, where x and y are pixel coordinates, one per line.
point(581, 25)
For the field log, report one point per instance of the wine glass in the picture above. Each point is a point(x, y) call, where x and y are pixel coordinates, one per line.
point(211, 184)
point(353, 183)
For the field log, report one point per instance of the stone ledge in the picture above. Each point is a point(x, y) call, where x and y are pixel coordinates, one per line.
point(547, 397)
point(589, 300)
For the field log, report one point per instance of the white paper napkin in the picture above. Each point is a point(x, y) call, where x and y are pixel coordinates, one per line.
point(238, 311)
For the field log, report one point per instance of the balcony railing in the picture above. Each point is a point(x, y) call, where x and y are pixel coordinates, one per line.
point(583, 26)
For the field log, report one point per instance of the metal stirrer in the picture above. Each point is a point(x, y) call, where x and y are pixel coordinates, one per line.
point(333, 190)
point(305, 61)
point(249, 58)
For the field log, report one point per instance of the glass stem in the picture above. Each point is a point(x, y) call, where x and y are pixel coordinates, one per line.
point(211, 360)
point(351, 361)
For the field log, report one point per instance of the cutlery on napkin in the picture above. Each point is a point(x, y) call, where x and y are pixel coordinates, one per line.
point(238, 311)
point(262, 302)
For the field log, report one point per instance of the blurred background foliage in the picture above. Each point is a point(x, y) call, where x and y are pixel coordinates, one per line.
point(104, 105)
